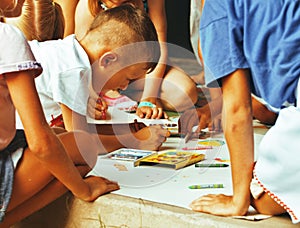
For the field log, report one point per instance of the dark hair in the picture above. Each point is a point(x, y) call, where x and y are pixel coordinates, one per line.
point(128, 24)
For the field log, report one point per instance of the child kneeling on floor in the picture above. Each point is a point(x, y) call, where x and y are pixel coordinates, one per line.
point(120, 47)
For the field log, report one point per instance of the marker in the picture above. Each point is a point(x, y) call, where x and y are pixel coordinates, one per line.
point(211, 165)
point(222, 160)
point(197, 148)
point(203, 186)
point(103, 115)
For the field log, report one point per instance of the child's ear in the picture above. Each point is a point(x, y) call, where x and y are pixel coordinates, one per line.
point(108, 58)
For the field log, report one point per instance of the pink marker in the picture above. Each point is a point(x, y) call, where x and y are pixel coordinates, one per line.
point(197, 148)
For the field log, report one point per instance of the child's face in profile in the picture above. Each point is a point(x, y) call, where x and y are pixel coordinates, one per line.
point(121, 79)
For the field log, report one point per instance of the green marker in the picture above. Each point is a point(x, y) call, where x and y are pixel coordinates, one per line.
point(212, 165)
point(202, 186)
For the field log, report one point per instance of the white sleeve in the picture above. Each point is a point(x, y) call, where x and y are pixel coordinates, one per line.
point(15, 54)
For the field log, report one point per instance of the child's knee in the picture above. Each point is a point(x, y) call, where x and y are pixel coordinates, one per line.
point(87, 147)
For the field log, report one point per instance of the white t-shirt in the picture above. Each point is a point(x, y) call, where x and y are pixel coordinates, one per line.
point(15, 55)
point(66, 77)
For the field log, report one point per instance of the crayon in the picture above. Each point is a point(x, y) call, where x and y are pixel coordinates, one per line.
point(211, 165)
point(203, 186)
point(222, 160)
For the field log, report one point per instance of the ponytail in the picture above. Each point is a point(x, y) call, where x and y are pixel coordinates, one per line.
point(40, 20)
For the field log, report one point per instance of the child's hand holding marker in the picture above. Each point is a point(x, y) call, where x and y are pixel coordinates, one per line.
point(97, 107)
point(196, 134)
point(100, 109)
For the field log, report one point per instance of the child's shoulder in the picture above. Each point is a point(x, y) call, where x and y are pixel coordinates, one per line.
point(10, 32)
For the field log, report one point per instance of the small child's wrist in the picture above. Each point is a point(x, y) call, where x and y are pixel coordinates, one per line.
point(146, 104)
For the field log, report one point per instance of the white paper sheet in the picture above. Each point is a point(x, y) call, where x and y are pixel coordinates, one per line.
point(116, 116)
point(166, 185)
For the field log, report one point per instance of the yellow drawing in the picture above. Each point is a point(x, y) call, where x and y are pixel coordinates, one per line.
point(211, 142)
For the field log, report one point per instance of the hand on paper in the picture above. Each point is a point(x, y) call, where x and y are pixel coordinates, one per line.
point(194, 117)
point(99, 186)
point(155, 112)
point(97, 107)
point(216, 124)
point(151, 138)
point(219, 205)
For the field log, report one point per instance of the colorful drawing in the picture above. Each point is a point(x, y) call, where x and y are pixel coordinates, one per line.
point(120, 167)
point(211, 142)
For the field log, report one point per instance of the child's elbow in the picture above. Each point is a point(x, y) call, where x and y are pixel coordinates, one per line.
point(42, 148)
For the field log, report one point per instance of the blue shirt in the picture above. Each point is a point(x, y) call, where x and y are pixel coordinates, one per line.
point(262, 35)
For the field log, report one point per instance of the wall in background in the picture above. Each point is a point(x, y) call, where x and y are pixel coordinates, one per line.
point(178, 17)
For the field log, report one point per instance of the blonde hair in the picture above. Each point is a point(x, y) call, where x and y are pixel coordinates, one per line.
point(40, 20)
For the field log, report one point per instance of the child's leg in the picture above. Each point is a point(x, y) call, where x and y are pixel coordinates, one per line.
point(277, 168)
point(266, 205)
point(178, 90)
point(34, 186)
point(48, 194)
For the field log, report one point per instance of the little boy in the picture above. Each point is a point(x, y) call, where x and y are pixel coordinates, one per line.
point(120, 46)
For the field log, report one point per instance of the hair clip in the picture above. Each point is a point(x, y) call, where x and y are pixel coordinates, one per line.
point(103, 6)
